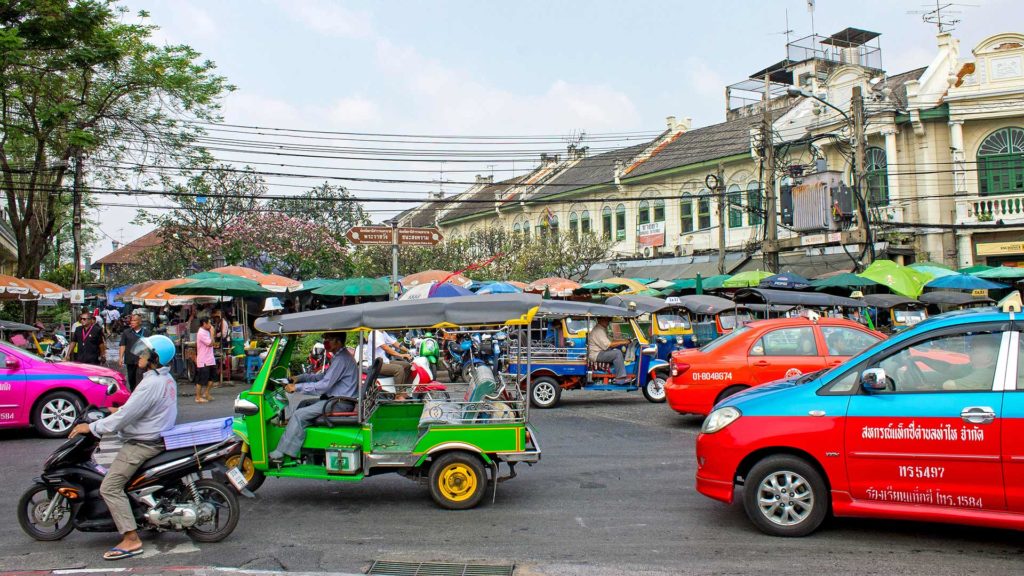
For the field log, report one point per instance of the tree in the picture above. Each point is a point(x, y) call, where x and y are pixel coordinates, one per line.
point(280, 244)
point(330, 206)
point(77, 81)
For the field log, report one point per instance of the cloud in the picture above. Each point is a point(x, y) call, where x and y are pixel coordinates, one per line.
point(354, 111)
point(198, 21)
point(330, 19)
point(703, 79)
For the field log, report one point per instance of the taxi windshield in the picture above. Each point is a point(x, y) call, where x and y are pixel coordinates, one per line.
point(724, 339)
point(730, 321)
point(575, 325)
point(673, 322)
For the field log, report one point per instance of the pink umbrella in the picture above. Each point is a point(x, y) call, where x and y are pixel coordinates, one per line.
point(435, 276)
point(554, 286)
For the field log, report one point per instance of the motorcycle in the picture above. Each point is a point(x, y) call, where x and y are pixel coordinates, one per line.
point(488, 348)
point(55, 352)
point(318, 359)
point(181, 490)
point(459, 357)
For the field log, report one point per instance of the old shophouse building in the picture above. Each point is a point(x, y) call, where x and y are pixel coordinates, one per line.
point(942, 176)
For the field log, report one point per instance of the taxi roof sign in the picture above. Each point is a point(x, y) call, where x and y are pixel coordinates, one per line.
point(1011, 303)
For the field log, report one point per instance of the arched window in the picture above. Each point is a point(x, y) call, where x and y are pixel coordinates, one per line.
point(552, 222)
point(876, 177)
point(585, 222)
point(1001, 162)
point(686, 213)
point(606, 223)
point(704, 209)
point(754, 206)
point(620, 222)
point(526, 229)
point(517, 228)
point(574, 224)
point(643, 214)
point(734, 198)
point(659, 210)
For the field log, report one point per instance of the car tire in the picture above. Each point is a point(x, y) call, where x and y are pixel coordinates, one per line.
point(729, 392)
point(458, 481)
point(785, 496)
point(545, 392)
point(654, 389)
point(55, 414)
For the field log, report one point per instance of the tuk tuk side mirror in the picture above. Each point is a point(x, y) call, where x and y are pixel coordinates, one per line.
point(650, 351)
point(874, 379)
point(12, 363)
point(245, 407)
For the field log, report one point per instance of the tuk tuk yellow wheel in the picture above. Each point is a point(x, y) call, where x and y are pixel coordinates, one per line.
point(253, 477)
point(457, 481)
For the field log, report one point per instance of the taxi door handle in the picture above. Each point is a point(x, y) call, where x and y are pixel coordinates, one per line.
point(978, 415)
point(762, 363)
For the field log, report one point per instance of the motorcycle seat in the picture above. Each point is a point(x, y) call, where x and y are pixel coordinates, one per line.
point(167, 456)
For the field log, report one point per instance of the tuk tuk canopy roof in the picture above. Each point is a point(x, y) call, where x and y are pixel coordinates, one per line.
point(643, 303)
point(8, 326)
point(953, 298)
point(702, 303)
point(889, 301)
point(400, 315)
point(793, 298)
point(567, 308)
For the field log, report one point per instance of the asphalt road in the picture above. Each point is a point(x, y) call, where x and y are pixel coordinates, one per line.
point(613, 495)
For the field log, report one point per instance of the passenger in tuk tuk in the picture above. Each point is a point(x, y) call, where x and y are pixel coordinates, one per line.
point(395, 356)
point(341, 379)
point(603, 350)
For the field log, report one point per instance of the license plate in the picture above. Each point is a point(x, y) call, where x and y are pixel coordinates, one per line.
point(237, 479)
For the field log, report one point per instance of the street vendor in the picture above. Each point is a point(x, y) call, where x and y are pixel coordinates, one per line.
point(603, 350)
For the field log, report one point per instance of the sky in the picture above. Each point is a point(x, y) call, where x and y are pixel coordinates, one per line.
point(513, 68)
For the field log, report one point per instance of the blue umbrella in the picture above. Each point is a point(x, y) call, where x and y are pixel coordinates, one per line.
point(785, 281)
point(498, 288)
point(963, 282)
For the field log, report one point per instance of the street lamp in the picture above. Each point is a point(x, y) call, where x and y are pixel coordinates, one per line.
point(795, 91)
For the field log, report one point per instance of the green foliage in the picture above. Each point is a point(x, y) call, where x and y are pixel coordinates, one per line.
point(302, 350)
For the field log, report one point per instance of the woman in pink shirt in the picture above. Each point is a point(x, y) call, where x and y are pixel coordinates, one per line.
point(204, 360)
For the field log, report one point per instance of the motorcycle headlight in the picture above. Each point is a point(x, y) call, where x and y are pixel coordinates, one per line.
point(719, 419)
point(103, 380)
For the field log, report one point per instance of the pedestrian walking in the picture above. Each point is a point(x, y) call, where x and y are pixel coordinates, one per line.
point(87, 343)
point(125, 358)
point(205, 360)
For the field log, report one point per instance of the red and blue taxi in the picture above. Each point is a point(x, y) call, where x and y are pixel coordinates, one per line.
point(923, 426)
point(760, 352)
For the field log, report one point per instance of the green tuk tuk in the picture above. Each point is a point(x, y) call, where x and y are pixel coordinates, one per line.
point(450, 443)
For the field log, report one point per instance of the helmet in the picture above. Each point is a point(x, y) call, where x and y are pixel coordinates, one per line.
point(159, 345)
point(318, 349)
point(465, 345)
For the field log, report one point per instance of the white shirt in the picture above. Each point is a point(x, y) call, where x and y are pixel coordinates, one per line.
point(379, 338)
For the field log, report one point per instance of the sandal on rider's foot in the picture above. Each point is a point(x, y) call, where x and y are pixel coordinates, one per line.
point(200, 400)
point(120, 553)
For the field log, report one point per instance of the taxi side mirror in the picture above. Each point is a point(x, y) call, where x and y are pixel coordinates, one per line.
point(12, 363)
point(111, 388)
point(873, 379)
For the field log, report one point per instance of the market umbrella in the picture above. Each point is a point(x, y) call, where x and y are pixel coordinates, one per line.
point(843, 280)
point(272, 282)
point(662, 284)
point(975, 269)
point(1007, 272)
point(785, 281)
point(221, 286)
point(684, 284)
point(713, 282)
point(434, 290)
point(616, 284)
point(47, 289)
point(159, 294)
point(929, 264)
point(12, 288)
point(748, 279)
point(129, 293)
point(359, 286)
point(899, 279)
point(315, 283)
point(934, 271)
point(499, 288)
point(428, 276)
point(964, 282)
point(517, 284)
point(553, 285)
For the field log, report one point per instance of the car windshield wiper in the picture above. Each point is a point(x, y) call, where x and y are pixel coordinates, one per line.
point(809, 376)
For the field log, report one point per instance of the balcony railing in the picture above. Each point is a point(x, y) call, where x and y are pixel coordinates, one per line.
point(1009, 208)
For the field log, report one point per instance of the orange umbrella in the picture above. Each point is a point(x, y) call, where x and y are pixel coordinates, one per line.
point(47, 289)
point(272, 282)
point(157, 295)
point(134, 289)
point(12, 288)
point(517, 284)
point(428, 276)
point(555, 286)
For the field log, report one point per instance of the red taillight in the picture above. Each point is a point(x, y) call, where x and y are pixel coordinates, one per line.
point(679, 367)
point(529, 437)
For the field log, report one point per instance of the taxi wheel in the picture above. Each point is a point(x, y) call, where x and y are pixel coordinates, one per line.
point(785, 496)
point(654, 390)
point(457, 481)
point(56, 413)
point(729, 392)
point(545, 392)
point(253, 478)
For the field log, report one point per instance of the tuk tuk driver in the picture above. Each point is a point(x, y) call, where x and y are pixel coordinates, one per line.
point(602, 349)
point(340, 379)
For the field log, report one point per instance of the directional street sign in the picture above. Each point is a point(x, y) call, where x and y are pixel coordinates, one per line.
point(419, 236)
point(369, 235)
point(381, 235)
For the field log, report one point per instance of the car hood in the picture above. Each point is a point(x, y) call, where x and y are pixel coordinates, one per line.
point(776, 387)
point(81, 369)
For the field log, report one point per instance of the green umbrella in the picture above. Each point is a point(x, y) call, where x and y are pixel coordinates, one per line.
point(901, 280)
point(746, 279)
point(205, 275)
point(684, 284)
point(221, 285)
point(1007, 272)
point(314, 283)
point(714, 282)
point(975, 269)
point(355, 287)
point(597, 286)
point(844, 280)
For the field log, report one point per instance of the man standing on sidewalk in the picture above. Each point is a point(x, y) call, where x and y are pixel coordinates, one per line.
point(125, 357)
point(87, 342)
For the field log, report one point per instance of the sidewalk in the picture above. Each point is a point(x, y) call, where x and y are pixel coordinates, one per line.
point(170, 571)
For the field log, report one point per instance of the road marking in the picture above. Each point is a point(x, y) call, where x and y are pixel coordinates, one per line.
point(580, 522)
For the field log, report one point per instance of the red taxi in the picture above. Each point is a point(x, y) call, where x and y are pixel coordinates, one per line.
point(761, 352)
point(923, 426)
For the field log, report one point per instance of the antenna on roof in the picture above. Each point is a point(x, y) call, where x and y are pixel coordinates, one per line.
point(942, 16)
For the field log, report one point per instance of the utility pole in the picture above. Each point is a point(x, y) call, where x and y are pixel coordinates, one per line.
point(771, 243)
point(860, 152)
point(394, 258)
point(76, 229)
point(720, 194)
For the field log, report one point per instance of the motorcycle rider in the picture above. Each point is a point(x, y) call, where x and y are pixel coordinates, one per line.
point(150, 410)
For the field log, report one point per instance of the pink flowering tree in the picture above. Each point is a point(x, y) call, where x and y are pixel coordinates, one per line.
point(281, 244)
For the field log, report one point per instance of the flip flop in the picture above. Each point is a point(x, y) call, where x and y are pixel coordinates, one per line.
point(120, 553)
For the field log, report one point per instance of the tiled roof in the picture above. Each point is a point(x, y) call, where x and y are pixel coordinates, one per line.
point(589, 171)
point(897, 83)
point(699, 145)
point(506, 190)
point(130, 252)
